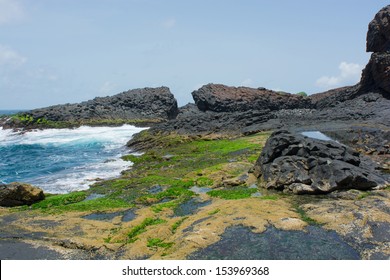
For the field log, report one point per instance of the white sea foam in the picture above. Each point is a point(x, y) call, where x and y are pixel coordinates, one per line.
point(81, 177)
point(104, 165)
point(113, 136)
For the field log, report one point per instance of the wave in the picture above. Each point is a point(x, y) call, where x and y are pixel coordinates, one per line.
point(64, 160)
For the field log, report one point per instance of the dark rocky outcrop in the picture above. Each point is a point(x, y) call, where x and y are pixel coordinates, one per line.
point(295, 163)
point(17, 194)
point(193, 121)
point(378, 35)
point(376, 75)
point(221, 98)
point(146, 103)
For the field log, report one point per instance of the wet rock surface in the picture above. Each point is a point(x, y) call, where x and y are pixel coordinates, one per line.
point(302, 165)
point(240, 243)
point(18, 250)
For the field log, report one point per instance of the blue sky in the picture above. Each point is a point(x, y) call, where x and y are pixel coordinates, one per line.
point(64, 51)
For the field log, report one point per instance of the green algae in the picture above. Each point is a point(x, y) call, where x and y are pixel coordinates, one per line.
point(141, 228)
point(233, 193)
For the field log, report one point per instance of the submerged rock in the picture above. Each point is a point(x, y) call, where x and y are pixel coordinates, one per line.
point(17, 194)
point(302, 165)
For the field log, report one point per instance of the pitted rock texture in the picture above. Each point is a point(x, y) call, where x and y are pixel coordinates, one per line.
point(294, 163)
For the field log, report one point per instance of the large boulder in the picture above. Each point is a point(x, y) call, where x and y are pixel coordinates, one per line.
point(294, 163)
point(221, 98)
point(17, 194)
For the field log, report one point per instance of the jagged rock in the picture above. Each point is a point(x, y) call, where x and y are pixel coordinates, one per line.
point(377, 72)
point(221, 98)
point(376, 75)
point(17, 194)
point(378, 35)
point(154, 104)
point(295, 163)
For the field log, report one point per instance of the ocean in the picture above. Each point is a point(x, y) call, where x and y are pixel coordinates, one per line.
point(10, 112)
point(64, 160)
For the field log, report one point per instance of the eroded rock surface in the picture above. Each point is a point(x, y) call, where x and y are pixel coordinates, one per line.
point(295, 163)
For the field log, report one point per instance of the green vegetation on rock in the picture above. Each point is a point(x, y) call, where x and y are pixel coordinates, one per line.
point(177, 224)
point(234, 193)
point(157, 242)
point(138, 229)
point(75, 201)
point(177, 163)
point(305, 217)
point(27, 120)
point(302, 93)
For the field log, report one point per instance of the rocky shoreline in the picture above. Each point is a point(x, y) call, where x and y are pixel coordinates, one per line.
point(231, 164)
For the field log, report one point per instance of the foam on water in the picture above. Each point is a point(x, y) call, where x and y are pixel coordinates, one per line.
point(64, 160)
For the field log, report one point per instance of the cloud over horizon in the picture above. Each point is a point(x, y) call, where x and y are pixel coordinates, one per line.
point(10, 11)
point(169, 23)
point(10, 57)
point(349, 74)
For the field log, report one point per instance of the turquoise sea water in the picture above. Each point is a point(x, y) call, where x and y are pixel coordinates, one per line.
point(63, 160)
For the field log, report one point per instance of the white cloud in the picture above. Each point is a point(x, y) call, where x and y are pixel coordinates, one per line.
point(107, 88)
point(9, 57)
point(169, 23)
point(10, 11)
point(247, 82)
point(349, 74)
point(44, 73)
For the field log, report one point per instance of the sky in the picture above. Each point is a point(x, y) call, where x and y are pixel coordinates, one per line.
point(66, 51)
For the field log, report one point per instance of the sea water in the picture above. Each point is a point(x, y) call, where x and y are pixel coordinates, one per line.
point(317, 135)
point(64, 160)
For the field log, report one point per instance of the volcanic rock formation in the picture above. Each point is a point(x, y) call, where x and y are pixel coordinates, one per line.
point(376, 75)
point(155, 104)
point(221, 98)
point(295, 163)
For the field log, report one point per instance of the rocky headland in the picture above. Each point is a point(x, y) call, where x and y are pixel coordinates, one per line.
point(227, 176)
point(138, 106)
